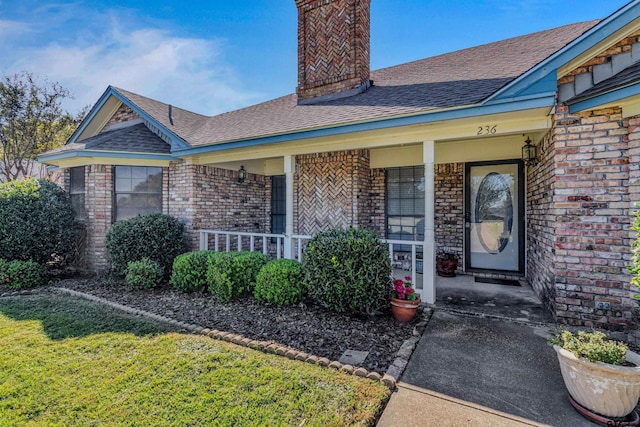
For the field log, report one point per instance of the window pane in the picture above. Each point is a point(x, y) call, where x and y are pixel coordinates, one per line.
point(123, 184)
point(123, 171)
point(139, 173)
point(278, 204)
point(76, 184)
point(405, 204)
point(154, 181)
point(77, 202)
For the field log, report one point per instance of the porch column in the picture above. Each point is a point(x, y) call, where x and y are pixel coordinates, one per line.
point(429, 251)
point(289, 165)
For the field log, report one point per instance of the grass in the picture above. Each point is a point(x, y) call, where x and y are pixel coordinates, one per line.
point(66, 361)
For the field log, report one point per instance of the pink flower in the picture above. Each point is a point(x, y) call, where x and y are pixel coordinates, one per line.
point(407, 278)
point(397, 282)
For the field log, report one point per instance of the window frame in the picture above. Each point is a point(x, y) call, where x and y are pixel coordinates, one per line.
point(417, 204)
point(76, 193)
point(116, 192)
point(278, 204)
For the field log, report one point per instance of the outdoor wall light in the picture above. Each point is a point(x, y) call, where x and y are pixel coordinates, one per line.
point(529, 153)
point(242, 174)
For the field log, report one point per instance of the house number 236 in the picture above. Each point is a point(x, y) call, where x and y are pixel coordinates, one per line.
point(487, 130)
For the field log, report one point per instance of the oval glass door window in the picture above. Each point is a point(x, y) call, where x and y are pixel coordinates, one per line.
point(494, 213)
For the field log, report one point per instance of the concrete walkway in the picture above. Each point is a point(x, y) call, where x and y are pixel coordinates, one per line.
point(470, 370)
point(412, 406)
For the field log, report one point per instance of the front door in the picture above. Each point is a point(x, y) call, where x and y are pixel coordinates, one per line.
point(494, 217)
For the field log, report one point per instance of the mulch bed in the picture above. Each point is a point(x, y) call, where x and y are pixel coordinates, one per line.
point(308, 328)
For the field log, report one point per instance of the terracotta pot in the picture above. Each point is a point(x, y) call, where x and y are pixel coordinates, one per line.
point(446, 267)
point(605, 389)
point(404, 311)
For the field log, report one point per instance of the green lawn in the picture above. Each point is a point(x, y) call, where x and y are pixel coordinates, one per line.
point(69, 362)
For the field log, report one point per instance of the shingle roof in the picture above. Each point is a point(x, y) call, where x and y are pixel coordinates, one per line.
point(454, 79)
point(133, 139)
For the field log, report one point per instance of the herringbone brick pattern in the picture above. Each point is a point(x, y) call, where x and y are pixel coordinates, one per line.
point(332, 189)
point(329, 54)
point(333, 46)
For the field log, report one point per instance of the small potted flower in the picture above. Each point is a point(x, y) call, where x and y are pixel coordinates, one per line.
point(404, 301)
point(446, 263)
point(601, 375)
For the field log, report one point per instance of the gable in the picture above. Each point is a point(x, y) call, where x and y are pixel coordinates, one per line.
point(115, 107)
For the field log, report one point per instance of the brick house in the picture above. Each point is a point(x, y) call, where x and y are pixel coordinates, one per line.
point(429, 152)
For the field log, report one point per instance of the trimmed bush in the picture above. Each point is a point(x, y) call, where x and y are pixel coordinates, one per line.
point(233, 274)
point(36, 222)
point(190, 271)
point(280, 282)
point(245, 269)
point(158, 237)
point(348, 269)
point(144, 274)
point(22, 274)
point(219, 276)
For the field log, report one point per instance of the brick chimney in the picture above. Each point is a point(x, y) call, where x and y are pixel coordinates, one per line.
point(333, 49)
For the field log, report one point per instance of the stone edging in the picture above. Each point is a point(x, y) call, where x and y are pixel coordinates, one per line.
point(21, 292)
point(389, 378)
point(406, 350)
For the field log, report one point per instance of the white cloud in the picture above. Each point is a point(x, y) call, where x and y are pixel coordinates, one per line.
point(10, 28)
point(184, 71)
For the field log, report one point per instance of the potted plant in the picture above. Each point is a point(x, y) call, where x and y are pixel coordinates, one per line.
point(446, 263)
point(404, 301)
point(601, 375)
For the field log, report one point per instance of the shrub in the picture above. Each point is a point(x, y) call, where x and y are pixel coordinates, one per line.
point(593, 346)
point(219, 276)
point(190, 271)
point(281, 283)
point(348, 270)
point(36, 222)
point(4, 277)
point(245, 268)
point(157, 237)
point(22, 274)
point(233, 274)
point(144, 274)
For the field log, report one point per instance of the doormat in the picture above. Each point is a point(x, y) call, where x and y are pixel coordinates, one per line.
point(505, 282)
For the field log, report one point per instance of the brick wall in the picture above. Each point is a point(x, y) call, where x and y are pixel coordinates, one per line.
point(205, 197)
point(540, 224)
point(333, 46)
point(449, 208)
point(123, 114)
point(99, 204)
point(376, 203)
point(591, 209)
point(332, 190)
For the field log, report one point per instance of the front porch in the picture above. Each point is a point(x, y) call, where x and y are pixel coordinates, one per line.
point(505, 298)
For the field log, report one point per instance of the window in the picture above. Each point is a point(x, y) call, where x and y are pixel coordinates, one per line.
point(278, 204)
point(405, 204)
point(77, 192)
point(138, 191)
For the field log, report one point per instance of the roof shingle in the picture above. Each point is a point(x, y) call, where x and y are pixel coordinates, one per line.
point(133, 139)
point(464, 77)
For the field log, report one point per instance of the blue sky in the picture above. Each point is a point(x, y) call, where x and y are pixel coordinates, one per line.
point(212, 56)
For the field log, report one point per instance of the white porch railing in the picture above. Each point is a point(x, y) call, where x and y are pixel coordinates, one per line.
point(225, 241)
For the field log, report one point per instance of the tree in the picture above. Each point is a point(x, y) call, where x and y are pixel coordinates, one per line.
point(31, 122)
